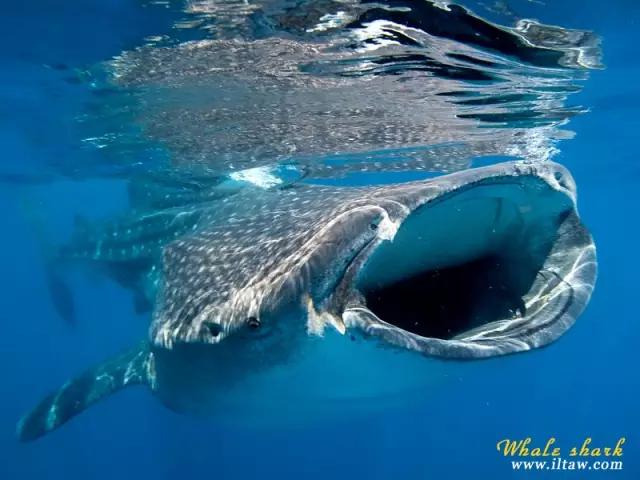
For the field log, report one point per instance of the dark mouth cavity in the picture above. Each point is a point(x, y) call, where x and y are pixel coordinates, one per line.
point(464, 261)
point(443, 303)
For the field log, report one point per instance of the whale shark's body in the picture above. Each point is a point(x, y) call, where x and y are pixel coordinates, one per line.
point(163, 207)
point(479, 263)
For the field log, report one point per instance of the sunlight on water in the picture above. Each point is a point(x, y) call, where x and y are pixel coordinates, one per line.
point(395, 87)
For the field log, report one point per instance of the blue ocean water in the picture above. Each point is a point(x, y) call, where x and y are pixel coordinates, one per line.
point(584, 385)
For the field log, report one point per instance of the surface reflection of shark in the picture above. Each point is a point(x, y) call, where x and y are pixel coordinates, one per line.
point(282, 82)
point(479, 263)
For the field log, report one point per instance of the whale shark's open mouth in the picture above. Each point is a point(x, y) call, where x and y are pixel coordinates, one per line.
point(499, 266)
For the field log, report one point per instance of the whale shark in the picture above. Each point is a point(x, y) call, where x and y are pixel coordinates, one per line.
point(292, 300)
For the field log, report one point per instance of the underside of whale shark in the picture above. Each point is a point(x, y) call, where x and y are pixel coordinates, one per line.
point(476, 264)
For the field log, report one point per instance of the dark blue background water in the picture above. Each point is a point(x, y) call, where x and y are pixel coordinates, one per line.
point(587, 384)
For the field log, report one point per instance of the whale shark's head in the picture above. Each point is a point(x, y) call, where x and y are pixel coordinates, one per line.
point(474, 264)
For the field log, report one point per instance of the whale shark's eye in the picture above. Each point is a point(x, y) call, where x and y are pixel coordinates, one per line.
point(373, 226)
point(253, 323)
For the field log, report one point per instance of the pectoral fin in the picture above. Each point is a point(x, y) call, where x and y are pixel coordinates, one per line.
point(133, 367)
point(59, 291)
